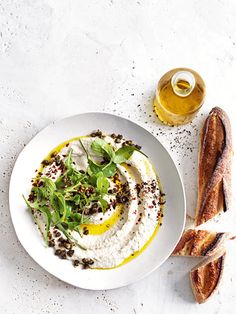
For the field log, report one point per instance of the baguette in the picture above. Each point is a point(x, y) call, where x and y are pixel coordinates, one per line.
point(206, 276)
point(214, 170)
point(198, 243)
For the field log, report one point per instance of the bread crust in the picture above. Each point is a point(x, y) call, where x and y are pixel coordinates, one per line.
point(197, 243)
point(206, 276)
point(214, 166)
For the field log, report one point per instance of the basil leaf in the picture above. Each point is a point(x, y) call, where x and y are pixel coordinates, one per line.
point(95, 168)
point(97, 147)
point(103, 204)
point(102, 183)
point(124, 153)
point(93, 180)
point(102, 148)
point(109, 170)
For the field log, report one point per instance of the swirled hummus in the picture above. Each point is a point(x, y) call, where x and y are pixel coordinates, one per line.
point(111, 229)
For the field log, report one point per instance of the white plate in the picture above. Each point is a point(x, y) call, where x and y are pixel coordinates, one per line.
point(174, 214)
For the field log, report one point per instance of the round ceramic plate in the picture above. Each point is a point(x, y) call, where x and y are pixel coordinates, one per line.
point(174, 213)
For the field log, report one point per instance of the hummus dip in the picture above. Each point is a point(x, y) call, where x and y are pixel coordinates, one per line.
point(110, 237)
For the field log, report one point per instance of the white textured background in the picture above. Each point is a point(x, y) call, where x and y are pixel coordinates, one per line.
point(62, 57)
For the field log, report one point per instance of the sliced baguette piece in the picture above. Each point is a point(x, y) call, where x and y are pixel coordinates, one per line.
point(206, 276)
point(214, 166)
point(200, 243)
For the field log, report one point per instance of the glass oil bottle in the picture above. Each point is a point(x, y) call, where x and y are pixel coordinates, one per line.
point(179, 96)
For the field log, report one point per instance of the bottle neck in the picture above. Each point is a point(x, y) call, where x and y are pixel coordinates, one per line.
point(183, 82)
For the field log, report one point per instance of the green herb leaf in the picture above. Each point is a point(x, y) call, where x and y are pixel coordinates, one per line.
point(76, 217)
point(97, 147)
point(103, 204)
point(102, 183)
point(95, 168)
point(48, 217)
point(93, 180)
point(68, 162)
point(72, 225)
point(81, 143)
point(124, 153)
point(59, 204)
point(76, 199)
point(32, 205)
point(102, 148)
point(109, 170)
point(55, 218)
point(48, 187)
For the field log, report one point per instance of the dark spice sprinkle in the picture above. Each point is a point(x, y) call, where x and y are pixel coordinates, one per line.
point(67, 245)
point(58, 252)
point(76, 262)
point(56, 233)
point(70, 253)
point(45, 162)
point(61, 253)
point(51, 243)
point(85, 232)
point(53, 154)
point(87, 261)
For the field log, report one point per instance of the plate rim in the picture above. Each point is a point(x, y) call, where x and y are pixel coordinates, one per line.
point(60, 277)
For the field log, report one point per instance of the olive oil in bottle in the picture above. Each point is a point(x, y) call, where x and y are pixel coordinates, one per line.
point(180, 94)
